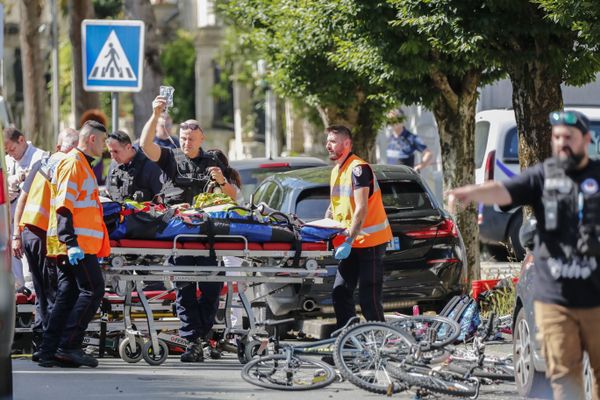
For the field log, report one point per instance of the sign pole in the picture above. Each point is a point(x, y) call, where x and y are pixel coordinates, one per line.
point(114, 96)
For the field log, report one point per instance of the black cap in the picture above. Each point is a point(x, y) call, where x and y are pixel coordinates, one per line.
point(570, 118)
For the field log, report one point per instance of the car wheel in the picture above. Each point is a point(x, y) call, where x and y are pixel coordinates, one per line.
point(516, 248)
point(529, 381)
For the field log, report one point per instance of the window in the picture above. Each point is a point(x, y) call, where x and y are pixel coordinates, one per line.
point(312, 204)
point(404, 195)
point(511, 147)
point(264, 192)
point(482, 131)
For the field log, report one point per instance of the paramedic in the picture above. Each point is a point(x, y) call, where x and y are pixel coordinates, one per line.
point(76, 238)
point(131, 174)
point(356, 203)
point(31, 224)
point(564, 194)
point(191, 170)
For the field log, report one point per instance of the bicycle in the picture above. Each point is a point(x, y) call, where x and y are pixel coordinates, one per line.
point(289, 368)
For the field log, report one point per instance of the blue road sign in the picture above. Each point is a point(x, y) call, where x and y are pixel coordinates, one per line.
point(112, 56)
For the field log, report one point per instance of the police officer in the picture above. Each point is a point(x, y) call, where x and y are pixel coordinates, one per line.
point(356, 203)
point(31, 222)
point(76, 238)
point(131, 174)
point(191, 170)
point(565, 196)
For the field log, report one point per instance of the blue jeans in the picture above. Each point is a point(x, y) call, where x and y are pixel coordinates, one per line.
point(80, 291)
point(197, 315)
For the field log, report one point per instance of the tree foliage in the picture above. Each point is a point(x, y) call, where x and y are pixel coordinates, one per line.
point(178, 60)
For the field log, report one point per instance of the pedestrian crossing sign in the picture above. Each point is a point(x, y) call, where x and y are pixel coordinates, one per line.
point(112, 58)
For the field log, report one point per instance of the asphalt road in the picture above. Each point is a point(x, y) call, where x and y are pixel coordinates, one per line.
point(211, 380)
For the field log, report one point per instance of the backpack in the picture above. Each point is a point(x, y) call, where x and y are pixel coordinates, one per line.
point(464, 310)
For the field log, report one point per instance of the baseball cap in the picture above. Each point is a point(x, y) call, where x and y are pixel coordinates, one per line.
point(570, 118)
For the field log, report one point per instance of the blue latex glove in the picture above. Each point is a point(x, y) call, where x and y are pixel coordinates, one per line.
point(343, 251)
point(75, 254)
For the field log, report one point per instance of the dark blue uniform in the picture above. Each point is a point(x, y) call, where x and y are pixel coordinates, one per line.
point(139, 175)
point(191, 176)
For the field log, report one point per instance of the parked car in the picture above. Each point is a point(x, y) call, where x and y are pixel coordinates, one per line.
point(424, 263)
point(7, 288)
point(497, 157)
point(529, 362)
point(254, 170)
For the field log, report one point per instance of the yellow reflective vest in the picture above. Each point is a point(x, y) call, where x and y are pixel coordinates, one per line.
point(376, 228)
point(37, 208)
point(74, 187)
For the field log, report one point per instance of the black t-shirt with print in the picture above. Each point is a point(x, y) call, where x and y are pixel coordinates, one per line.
point(562, 275)
point(362, 177)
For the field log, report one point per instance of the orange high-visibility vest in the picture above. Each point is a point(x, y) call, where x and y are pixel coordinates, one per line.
point(376, 227)
point(37, 207)
point(74, 187)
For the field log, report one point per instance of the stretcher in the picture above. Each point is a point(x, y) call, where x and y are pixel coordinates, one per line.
point(134, 263)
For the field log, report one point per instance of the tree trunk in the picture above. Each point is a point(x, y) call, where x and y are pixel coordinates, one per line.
point(34, 85)
point(82, 100)
point(536, 92)
point(455, 116)
point(153, 74)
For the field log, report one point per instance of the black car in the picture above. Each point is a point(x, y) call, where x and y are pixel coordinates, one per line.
point(424, 263)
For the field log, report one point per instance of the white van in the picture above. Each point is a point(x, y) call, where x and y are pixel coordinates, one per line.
point(497, 157)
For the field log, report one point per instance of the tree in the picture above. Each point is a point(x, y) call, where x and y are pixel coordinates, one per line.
point(178, 59)
point(34, 87)
point(539, 55)
point(82, 100)
point(153, 74)
point(355, 59)
point(296, 47)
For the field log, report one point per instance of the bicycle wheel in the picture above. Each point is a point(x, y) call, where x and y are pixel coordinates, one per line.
point(494, 371)
point(362, 352)
point(432, 331)
point(436, 381)
point(299, 373)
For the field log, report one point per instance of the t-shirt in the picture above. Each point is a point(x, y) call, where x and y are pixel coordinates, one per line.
point(362, 177)
point(401, 149)
point(562, 275)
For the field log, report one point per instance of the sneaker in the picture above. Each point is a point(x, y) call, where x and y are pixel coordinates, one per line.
point(193, 352)
point(76, 357)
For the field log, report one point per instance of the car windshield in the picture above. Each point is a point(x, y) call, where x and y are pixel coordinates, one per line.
point(397, 196)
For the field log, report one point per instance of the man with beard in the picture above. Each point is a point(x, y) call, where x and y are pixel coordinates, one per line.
point(564, 194)
point(356, 203)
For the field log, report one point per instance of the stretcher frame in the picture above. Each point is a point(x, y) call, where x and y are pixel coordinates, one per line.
point(259, 265)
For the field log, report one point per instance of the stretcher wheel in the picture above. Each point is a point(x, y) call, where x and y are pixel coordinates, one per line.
point(127, 354)
point(117, 262)
point(249, 350)
point(155, 359)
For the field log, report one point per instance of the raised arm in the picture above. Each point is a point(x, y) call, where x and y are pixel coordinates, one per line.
point(492, 192)
point(151, 149)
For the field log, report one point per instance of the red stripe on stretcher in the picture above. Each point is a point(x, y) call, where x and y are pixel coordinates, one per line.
point(21, 298)
point(168, 244)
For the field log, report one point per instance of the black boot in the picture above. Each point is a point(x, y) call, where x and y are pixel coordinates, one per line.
point(76, 357)
point(193, 352)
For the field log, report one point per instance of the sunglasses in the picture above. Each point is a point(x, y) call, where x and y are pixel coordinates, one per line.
point(563, 117)
point(191, 126)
